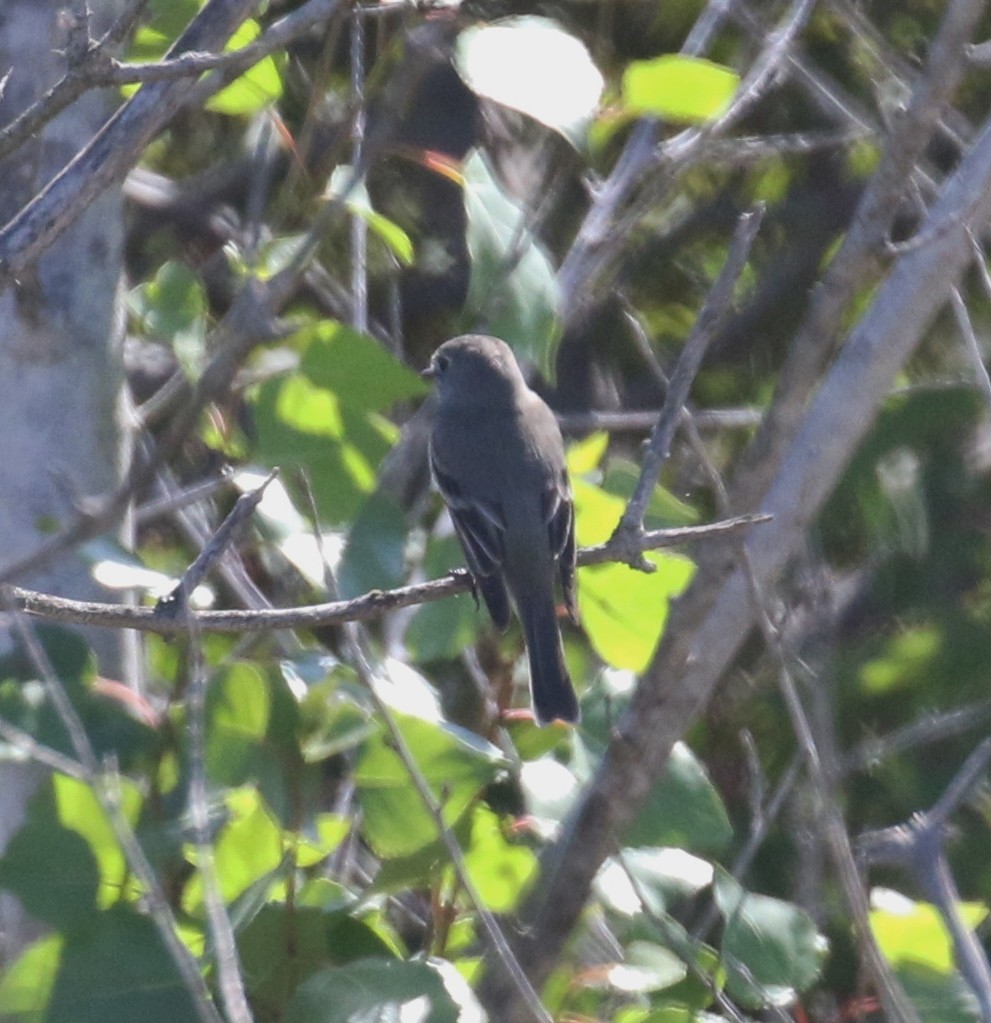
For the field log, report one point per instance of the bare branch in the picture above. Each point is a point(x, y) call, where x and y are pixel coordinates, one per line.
point(370, 605)
point(713, 313)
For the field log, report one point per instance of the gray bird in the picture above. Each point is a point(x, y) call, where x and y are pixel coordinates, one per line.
point(497, 458)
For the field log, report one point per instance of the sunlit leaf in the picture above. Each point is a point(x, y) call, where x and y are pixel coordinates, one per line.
point(647, 967)
point(910, 932)
point(257, 88)
point(678, 88)
point(499, 869)
point(454, 763)
point(359, 204)
point(623, 611)
point(655, 875)
point(248, 849)
point(507, 60)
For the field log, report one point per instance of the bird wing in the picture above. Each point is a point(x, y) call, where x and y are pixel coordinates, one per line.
point(559, 514)
point(481, 531)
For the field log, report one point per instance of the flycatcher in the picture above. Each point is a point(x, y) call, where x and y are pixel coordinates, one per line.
point(497, 457)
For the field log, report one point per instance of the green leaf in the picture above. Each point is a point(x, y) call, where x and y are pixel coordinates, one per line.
point(356, 368)
point(25, 702)
point(623, 611)
point(52, 871)
point(339, 447)
point(910, 932)
point(655, 876)
point(441, 629)
point(119, 969)
point(259, 87)
point(513, 291)
point(26, 986)
point(678, 88)
point(238, 708)
point(359, 204)
point(375, 553)
point(647, 967)
point(683, 809)
point(771, 948)
point(335, 718)
point(248, 849)
point(283, 945)
point(349, 993)
point(172, 308)
point(455, 764)
point(507, 61)
point(663, 509)
point(500, 870)
point(325, 418)
point(938, 997)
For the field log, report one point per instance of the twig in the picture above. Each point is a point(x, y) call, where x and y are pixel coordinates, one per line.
point(917, 846)
point(919, 733)
point(971, 346)
point(176, 603)
point(858, 259)
point(221, 931)
point(713, 312)
point(371, 605)
point(359, 227)
point(643, 422)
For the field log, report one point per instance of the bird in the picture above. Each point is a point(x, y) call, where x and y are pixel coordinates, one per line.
point(497, 458)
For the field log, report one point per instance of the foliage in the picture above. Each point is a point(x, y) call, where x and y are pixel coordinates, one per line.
point(341, 765)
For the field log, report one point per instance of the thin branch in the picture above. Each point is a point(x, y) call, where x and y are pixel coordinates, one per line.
point(176, 603)
point(971, 345)
point(225, 955)
point(918, 845)
point(370, 605)
point(858, 259)
point(713, 313)
point(119, 144)
point(643, 422)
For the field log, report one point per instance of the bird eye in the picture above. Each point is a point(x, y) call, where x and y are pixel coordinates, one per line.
point(440, 363)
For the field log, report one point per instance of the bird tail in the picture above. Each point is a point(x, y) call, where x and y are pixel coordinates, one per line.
point(550, 687)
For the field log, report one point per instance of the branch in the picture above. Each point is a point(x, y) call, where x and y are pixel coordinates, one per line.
point(710, 318)
point(371, 605)
point(918, 845)
point(858, 260)
point(119, 143)
point(708, 625)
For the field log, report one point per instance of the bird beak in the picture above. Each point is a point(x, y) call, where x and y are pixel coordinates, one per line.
point(429, 373)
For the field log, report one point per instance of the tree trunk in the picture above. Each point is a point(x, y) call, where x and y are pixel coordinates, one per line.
point(60, 332)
